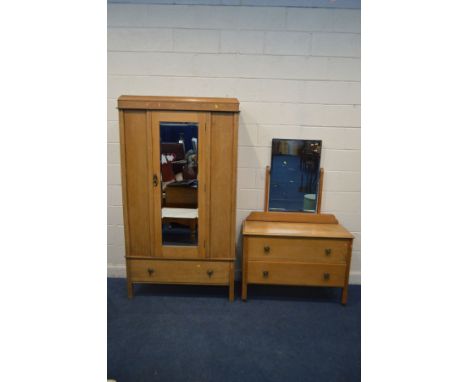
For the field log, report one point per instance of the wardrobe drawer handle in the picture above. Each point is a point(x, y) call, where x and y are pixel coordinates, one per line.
point(266, 248)
point(265, 273)
point(150, 271)
point(209, 272)
point(326, 276)
point(328, 251)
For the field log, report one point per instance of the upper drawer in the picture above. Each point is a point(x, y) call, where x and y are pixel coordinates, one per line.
point(297, 249)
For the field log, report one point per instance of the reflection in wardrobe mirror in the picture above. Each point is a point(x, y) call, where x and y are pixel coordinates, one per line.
point(179, 176)
point(294, 175)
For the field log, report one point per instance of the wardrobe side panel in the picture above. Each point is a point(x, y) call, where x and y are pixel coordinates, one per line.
point(222, 182)
point(137, 174)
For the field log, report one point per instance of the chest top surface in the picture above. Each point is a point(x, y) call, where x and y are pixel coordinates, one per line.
point(295, 229)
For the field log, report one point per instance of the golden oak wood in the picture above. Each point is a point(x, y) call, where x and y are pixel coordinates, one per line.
point(295, 249)
point(200, 120)
point(292, 217)
point(267, 189)
point(232, 251)
point(245, 258)
point(175, 259)
point(179, 252)
point(312, 252)
point(344, 294)
point(137, 189)
point(203, 213)
point(124, 188)
point(285, 229)
point(320, 192)
point(156, 193)
point(129, 278)
point(308, 274)
point(217, 120)
point(190, 272)
point(231, 281)
point(223, 180)
point(207, 186)
point(149, 149)
point(178, 103)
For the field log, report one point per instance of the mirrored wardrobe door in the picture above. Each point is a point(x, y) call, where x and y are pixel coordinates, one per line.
point(179, 198)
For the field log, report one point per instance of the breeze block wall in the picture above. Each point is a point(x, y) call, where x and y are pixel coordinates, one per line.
point(295, 71)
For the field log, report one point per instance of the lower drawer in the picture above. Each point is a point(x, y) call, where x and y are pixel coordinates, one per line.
point(282, 273)
point(178, 272)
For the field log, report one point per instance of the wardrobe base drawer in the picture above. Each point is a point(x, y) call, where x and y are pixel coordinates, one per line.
point(178, 272)
point(283, 273)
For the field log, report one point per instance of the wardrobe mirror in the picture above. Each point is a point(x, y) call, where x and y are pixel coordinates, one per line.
point(294, 175)
point(179, 173)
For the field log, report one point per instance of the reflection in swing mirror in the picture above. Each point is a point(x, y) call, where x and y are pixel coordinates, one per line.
point(294, 175)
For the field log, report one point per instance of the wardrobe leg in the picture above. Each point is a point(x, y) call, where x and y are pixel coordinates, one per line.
point(129, 289)
point(231, 282)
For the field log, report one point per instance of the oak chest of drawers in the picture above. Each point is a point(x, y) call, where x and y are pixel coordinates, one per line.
point(296, 249)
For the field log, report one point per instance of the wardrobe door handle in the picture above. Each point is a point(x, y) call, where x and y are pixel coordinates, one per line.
point(326, 276)
point(155, 180)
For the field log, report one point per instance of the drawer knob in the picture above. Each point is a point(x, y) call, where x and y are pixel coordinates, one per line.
point(266, 248)
point(150, 271)
point(326, 276)
point(265, 273)
point(209, 272)
point(328, 251)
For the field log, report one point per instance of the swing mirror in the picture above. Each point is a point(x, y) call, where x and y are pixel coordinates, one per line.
point(294, 175)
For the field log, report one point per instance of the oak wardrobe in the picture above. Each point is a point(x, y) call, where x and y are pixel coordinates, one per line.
point(179, 171)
